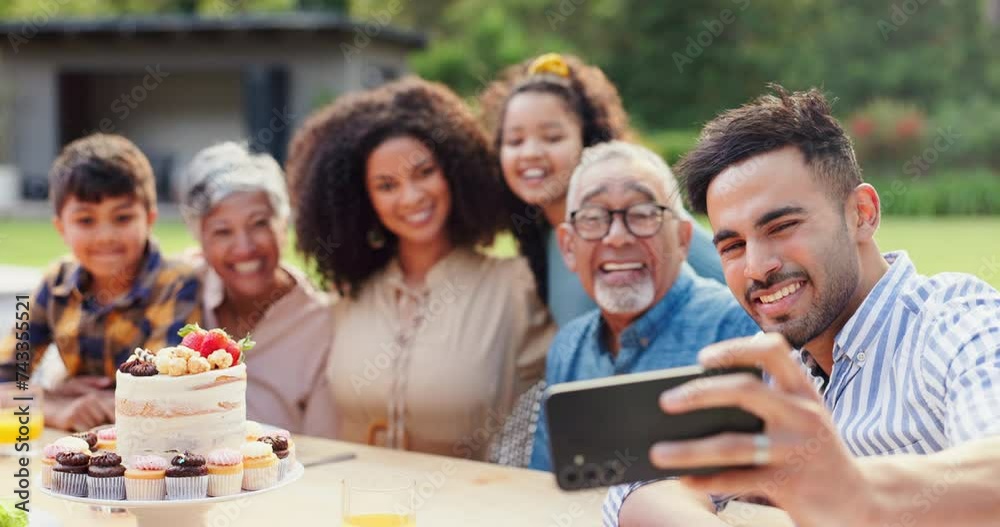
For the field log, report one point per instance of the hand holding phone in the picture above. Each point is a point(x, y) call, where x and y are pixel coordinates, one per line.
point(600, 430)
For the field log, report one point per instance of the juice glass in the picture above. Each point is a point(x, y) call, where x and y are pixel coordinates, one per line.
point(379, 501)
point(21, 418)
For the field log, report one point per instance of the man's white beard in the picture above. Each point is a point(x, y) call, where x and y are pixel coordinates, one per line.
point(630, 298)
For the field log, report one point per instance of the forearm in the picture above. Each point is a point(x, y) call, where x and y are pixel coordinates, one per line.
point(56, 411)
point(667, 504)
point(955, 487)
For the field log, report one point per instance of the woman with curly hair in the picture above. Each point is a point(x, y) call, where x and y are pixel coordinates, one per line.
point(395, 188)
point(542, 113)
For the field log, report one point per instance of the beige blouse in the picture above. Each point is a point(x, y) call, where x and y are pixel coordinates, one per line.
point(285, 383)
point(448, 359)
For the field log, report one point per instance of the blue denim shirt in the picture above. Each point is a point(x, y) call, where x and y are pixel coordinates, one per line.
point(567, 299)
point(695, 312)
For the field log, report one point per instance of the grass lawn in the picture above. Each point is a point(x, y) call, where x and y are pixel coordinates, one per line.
point(966, 244)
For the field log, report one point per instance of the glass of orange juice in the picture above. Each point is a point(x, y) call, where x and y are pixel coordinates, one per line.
point(20, 417)
point(379, 501)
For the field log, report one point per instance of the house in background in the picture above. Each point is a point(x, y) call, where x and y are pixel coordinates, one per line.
point(176, 84)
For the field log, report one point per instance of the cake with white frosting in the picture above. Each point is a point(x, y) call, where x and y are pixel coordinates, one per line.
point(182, 398)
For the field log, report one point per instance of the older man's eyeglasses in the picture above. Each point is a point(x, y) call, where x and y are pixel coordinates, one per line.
point(642, 220)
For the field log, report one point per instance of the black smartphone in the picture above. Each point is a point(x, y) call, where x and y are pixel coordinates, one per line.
point(600, 430)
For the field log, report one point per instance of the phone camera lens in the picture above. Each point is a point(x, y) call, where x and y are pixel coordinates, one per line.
point(570, 476)
point(613, 472)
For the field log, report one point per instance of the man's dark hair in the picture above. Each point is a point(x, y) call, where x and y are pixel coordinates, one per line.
point(771, 122)
point(101, 166)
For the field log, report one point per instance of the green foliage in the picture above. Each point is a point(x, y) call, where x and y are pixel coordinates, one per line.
point(926, 70)
point(677, 67)
point(670, 144)
point(886, 132)
point(976, 122)
point(474, 41)
point(11, 515)
point(340, 6)
point(947, 193)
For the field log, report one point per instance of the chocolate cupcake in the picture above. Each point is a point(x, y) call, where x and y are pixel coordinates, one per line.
point(106, 477)
point(90, 438)
point(187, 477)
point(279, 445)
point(69, 476)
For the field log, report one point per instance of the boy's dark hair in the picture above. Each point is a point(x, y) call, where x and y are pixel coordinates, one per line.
point(771, 122)
point(327, 163)
point(101, 166)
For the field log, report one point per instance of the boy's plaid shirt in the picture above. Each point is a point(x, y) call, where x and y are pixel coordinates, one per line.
point(93, 339)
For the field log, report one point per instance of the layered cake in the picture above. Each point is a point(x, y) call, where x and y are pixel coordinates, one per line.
point(181, 430)
point(190, 397)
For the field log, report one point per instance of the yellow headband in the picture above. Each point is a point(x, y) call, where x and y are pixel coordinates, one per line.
point(552, 63)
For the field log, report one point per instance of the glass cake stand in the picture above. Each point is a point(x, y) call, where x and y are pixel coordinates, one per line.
point(174, 513)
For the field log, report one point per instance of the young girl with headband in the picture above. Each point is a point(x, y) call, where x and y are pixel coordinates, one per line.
point(542, 114)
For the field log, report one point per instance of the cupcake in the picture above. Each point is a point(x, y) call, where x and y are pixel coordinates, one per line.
point(291, 444)
point(107, 439)
point(90, 438)
point(280, 447)
point(187, 477)
point(260, 466)
point(49, 453)
point(254, 430)
point(69, 476)
point(144, 480)
point(225, 472)
point(106, 477)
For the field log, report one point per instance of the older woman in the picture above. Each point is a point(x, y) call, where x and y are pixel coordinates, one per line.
point(395, 187)
point(236, 205)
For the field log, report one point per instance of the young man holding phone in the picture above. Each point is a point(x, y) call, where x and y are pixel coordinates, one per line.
point(626, 237)
point(882, 405)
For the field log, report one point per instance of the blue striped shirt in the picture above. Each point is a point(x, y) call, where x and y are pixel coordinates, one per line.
point(916, 368)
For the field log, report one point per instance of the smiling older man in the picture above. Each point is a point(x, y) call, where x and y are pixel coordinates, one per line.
point(626, 236)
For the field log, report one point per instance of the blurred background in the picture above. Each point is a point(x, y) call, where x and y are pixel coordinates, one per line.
point(917, 83)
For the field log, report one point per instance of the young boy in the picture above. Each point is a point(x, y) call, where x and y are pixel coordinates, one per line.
point(115, 294)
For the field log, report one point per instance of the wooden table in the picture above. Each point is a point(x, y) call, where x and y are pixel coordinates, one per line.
point(449, 492)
